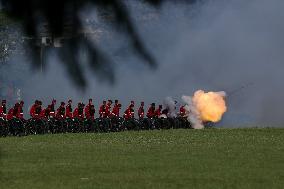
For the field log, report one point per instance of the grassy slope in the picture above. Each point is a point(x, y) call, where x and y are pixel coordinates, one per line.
point(212, 158)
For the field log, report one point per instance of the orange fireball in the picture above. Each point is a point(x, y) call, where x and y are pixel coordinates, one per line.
point(211, 105)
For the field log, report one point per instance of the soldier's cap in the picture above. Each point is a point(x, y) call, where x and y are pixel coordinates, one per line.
point(62, 103)
point(104, 101)
point(90, 100)
point(110, 101)
point(132, 101)
point(142, 103)
point(3, 101)
point(116, 101)
point(160, 106)
point(69, 100)
point(153, 104)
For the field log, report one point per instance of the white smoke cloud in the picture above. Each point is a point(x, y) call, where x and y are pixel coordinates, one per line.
point(193, 116)
point(211, 45)
point(170, 105)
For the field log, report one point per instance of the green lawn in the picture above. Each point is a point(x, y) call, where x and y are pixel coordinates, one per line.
point(210, 158)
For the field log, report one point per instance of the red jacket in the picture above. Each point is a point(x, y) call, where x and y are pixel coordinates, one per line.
point(78, 114)
point(102, 111)
point(13, 113)
point(52, 110)
point(158, 112)
point(43, 114)
point(20, 113)
point(141, 112)
point(60, 113)
point(115, 111)
point(182, 111)
point(107, 112)
point(90, 111)
point(33, 111)
point(3, 112)
point(129, 113)
point(69, 111)
point(10, 114)
point(90, 114)
point(151, 112)
point(87, 110)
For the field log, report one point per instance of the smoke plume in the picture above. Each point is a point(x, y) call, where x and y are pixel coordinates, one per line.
point(193, 115)
point(211, 45)
point(170, 105)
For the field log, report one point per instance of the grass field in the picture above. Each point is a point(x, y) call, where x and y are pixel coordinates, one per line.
point(210, 158)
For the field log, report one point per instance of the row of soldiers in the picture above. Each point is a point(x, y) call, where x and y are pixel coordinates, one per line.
point(106, 110)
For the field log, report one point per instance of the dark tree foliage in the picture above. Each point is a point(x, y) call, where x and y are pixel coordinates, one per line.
point(11, 43)
point(57, 13)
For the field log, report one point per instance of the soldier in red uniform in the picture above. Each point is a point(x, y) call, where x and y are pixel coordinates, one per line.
point(88, 109)
point(10, 114)
point(126, 114)
point(108, 109)
point(52, 108)
point(20, 114)
point(38, 109)
point(79, 111)
point(182, 111)
point(44, 114)
point(141, 111)
point(151, 111)
point(76, 111)
point(116, 109)
point(60, 113)
point(158, 112)
point(3, 110)
point(129, 112)
point(102, 110)
point(69, 110)
point(13, 112)
point(91, 112)
point(33, 109)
